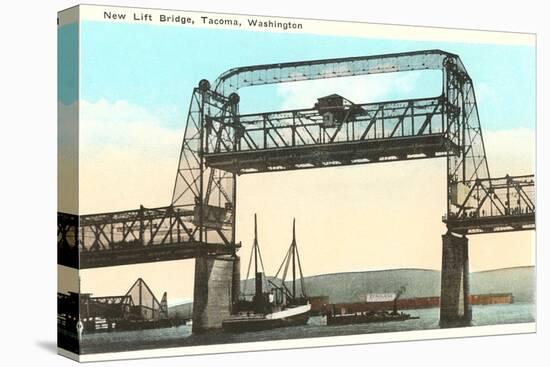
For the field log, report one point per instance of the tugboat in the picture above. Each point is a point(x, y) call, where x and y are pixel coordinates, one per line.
point(370, 316)
point(275, 307)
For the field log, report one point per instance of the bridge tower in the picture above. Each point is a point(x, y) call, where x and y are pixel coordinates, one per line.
point(219, 144)
point(455, 308)
point(211, 195)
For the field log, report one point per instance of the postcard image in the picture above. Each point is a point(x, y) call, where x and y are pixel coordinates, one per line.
point(235, 182)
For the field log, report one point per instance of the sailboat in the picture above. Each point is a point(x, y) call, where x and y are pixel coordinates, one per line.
point(270, 306)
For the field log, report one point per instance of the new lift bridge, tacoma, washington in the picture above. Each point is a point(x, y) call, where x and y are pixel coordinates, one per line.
point(220, 144)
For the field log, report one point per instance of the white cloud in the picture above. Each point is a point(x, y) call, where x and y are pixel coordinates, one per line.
point(121, 124)
point(67, 126)
point(358, 89)
point(510, 151)
point(127, 157)
point(485, 94)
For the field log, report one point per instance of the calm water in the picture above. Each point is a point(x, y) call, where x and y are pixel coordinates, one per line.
point(182, 336)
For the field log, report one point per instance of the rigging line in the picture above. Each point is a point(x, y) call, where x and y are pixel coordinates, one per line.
point(281, 266)
point(294, 251)
point(286, 270)
point(285, 263)
point(263, 269)
point(248, 271)
point(301, 275)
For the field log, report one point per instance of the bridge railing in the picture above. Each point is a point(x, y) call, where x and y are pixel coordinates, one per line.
point(133, 236)
point(303, 127)
point(141, 227)
point(492, 205)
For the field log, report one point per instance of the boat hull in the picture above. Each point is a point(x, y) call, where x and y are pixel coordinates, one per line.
point(243, 324)
point(366, 319)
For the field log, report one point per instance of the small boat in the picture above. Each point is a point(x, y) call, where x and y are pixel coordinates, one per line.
point(277, 306)
point(333, 318)
point(368, 317)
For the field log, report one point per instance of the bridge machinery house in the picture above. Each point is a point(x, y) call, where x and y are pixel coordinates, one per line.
point(336, 110)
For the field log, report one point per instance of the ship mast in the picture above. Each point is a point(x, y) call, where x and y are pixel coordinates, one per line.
point(292, 259)
point(257, 282)
point(256, 256)
point(255, 244)
point(294, 251)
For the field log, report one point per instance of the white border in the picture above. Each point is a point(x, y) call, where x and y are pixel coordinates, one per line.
point(29, 164)
point(90, 12)
point(338, 28)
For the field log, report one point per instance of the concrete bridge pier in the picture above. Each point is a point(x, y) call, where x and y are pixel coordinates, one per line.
point(454, 307)
point(216, 289)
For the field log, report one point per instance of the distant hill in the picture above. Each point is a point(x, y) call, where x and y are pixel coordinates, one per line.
point(183, 310)
point(519, 281)
point(352, 287)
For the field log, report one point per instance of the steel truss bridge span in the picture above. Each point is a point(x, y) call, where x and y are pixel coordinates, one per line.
point(248, 76)
point(131, 237)
point(502, 204)
point(298, 139)
point(219, 144)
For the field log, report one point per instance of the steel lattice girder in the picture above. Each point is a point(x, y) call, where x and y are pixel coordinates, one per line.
point(67, 239)
point(208, 192)
point(135, 254)
point(298, 139)
point(229, 145)
point(130, 237)
point(248, 76)
point(495, 205)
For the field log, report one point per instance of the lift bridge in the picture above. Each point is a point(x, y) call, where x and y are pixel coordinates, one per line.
point(220, 144)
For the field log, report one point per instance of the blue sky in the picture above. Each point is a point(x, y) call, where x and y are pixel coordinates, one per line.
point(156, 67)
point(135, 85)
